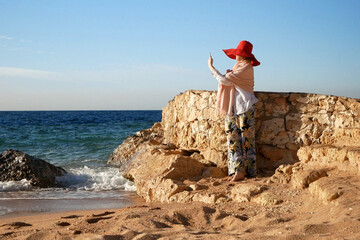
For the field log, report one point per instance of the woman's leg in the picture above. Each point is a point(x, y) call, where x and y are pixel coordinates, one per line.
point(247, 126)
point(229, 128)
point(236, 169)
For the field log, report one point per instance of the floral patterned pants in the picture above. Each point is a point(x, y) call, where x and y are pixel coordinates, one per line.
point(240, 133)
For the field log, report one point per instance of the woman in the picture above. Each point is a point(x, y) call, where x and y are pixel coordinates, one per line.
point(236, 100)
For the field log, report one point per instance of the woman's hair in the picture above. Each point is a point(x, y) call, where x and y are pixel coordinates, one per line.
point(248, 59)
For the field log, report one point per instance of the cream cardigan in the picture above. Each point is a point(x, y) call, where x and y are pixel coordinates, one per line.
point(235, 89)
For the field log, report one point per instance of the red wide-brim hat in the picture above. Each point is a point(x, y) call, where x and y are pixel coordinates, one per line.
point(244, 49)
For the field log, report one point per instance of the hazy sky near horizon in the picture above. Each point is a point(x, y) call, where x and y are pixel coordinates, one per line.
point(114, 55)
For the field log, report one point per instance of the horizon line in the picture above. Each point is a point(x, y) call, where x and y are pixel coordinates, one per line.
point(77, 110)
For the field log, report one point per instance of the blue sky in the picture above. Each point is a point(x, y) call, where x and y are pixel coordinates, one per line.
point(87, 54)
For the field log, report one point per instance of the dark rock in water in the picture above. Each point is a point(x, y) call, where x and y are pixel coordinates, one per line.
point(15, 166)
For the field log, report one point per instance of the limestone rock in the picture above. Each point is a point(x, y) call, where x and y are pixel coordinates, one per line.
point(158, 172)
point(131, 144)
point(302, 179)
point(342, 137)
point(158, 189)
point(279, 106)
point(270, 131)
point(327, 190)
point(284, 123)
point(209, 198)
point(190, 143)
point(267, 199)
point(293, 121)
point(276, 155)
point(216, 157)
point(244, 192)
point(152, 161)
point(181, 197)
point(213, 172)
point(345, 158)
point(197, 187)
point(283, 174)
point(15, 166)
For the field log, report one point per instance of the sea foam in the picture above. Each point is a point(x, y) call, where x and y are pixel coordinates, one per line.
point(84, 178)
point(15, 186)
point(102, 178)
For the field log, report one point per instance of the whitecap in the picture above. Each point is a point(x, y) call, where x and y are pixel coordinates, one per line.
point(95, 179)
point(15, 185)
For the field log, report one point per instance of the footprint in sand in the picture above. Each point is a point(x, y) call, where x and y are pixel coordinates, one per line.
point(207, 212)
point(77, 232)
point(279, 221)
point(17, 224)
point(6, 234)
point(72, 216)
point(157, 224)
point(96, 219)
point(63, 224)
point(220, 215)
point(177, 218)
point(102, 214)
point(242, 217)
point(131, 216)
point(155, 208)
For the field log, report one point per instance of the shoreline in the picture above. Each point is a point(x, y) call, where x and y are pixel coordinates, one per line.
point(29, 207)
point(34, 216)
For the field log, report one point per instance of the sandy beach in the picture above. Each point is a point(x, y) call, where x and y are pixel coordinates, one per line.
point(13, 207)
point(294, 214)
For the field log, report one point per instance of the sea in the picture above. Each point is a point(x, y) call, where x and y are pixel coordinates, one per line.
point(81, 143)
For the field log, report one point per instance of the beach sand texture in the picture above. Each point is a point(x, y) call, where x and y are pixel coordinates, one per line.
point(279, 212)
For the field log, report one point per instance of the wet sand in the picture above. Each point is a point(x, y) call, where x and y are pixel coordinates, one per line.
point(13, 207)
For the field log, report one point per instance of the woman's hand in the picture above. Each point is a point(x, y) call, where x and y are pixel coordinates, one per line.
point(211, 62)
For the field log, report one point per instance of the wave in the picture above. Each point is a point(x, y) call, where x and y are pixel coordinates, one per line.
point(15, 186)
point(83, 178)
point(102, 178)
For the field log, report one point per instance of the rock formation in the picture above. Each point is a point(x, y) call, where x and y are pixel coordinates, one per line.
point(300, 137)
point(284, 123)
point(15, 166)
